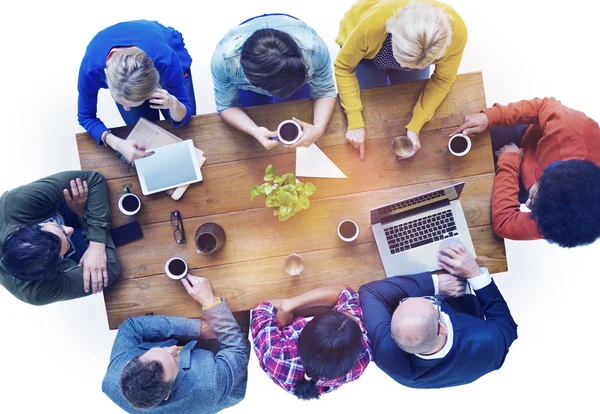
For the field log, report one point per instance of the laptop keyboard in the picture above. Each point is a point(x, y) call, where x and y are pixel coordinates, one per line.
point(422, 231)
point(412, 201)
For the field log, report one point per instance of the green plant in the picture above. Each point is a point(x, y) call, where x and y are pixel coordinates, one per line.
point(284, 195)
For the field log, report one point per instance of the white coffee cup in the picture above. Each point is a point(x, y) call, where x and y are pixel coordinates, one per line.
point(171, 274)
point(465, 151)
point(343, 236)
point(126, 212)
point(298, 136)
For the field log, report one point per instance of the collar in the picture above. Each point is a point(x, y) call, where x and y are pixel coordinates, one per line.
point(446, 349)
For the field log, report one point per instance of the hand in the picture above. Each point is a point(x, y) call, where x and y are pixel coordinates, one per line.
point(200, 289)
point(310, 134)
point(77, 199)
point(458, 262)
point(472, 124)
point(356, 137)
point(509, 148)
point(414, 137)
point(449, 285)
point(263, 136)
point(161, 99)
point(205, 330)
point(284, 316)
point(94, 267)
point(130, 149)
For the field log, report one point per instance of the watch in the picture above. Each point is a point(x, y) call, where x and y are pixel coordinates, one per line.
point(103, 137)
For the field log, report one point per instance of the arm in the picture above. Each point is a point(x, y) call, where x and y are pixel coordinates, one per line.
point(535, 111)
point(173, 82)
point(87, 103)
point(325, 296)
point(507, 219)
point(441, 81)
point(379, 300)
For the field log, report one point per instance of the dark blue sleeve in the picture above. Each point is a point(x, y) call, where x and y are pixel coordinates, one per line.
point(172, 80)
point(379, 300)
point(498, 319)
point(88, 86)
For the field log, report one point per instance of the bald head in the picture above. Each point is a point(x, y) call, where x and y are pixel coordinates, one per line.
point(415, 326)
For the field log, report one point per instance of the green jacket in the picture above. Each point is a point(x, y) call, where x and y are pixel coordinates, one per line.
point(38, 201)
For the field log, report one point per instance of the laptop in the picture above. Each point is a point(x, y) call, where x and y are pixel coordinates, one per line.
point(410, 232)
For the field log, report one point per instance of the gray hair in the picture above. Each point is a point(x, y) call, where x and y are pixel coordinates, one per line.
point(415, 332)
point(131, 75)
point(421, 32)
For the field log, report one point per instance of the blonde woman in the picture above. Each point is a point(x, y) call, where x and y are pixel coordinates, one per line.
point(394, 41)
point(146, 68)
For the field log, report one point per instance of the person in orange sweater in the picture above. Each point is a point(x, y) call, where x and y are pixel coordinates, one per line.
point(387, 42)
point(555, 158)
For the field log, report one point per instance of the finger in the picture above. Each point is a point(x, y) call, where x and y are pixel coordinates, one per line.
point(302, 123)
point(186, 284)
point(80, 189)
point(193, 280)
point(143, 154)
point(159, 107)
point(456, 249)
point(85, 188)
point(361, 148)
point(74, 189)
point(95, 281)
point(158, 101)
point(450, 262)
point(105, 277)
point(448, 252)
point(86, 280)
point(98, 281)
point(67, 195)
point(446, 268)
point(272, 134)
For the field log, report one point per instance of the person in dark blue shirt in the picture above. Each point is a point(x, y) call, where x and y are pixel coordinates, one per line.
point(146, 67)
point(422, 342)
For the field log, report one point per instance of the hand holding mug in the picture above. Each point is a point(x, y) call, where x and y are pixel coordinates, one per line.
point(200, 289)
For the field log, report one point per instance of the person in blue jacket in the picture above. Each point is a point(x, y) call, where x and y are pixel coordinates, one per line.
point(422, 342)
point(146, 67)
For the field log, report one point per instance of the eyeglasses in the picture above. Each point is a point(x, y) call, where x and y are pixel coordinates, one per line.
point(176, 222)
point(435, 301)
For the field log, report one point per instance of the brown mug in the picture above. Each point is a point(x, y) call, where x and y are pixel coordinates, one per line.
point(210, 237)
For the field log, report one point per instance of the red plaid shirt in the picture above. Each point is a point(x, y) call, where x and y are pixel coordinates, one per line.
point(277, 349)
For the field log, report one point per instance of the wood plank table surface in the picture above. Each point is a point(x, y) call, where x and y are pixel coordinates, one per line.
point(249, 267)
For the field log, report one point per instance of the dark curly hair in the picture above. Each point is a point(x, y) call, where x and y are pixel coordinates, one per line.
point(31, 253)
point(272, 60)
point(567, 204)
point(142, 383)
point(329, 346)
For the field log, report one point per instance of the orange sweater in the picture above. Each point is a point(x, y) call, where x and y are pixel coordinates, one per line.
point(556, 133)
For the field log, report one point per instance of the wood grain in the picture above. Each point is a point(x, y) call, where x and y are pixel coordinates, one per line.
point(245, 284)
point(386, 111)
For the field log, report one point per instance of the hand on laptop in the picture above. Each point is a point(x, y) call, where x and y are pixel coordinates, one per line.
point(457, 261)
point(449, 285)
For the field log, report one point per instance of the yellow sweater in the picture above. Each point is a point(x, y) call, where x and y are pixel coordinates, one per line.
point(362, 33)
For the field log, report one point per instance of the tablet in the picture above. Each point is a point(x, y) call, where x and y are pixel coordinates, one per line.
point(170, 166)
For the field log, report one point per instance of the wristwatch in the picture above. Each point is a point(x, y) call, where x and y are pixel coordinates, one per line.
point(103, 137)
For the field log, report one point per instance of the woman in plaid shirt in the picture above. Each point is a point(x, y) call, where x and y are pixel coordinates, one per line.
point(310, 358)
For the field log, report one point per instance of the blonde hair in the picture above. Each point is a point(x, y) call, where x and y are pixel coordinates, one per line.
point(421, 32)
point(131, 75)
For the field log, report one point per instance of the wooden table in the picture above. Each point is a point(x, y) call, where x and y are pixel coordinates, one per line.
point(249, 268)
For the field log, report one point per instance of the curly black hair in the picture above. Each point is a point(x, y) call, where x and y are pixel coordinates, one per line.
point(142, 383)
point(31, 253)
point(567, 204)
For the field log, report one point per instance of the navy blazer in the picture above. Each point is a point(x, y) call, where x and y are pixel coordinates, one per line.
point(206, 383)
point(479, 345)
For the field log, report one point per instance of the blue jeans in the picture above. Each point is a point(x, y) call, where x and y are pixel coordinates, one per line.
point(370, 76)
point(77, 238)
point(134, 114)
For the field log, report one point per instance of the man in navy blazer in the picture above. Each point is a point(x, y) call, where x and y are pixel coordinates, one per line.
point(421, 343)
point(147, 373)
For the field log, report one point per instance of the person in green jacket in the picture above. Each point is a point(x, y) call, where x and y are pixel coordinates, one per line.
point(54, 238)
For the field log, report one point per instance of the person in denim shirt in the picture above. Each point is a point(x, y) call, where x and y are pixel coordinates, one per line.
point(268, 59)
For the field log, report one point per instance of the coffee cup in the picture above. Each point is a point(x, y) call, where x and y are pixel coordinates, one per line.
point(289, 132)
point(129, 203)
point(348, 230)
point(176, 268)
point(459, 145)
point(210, 237)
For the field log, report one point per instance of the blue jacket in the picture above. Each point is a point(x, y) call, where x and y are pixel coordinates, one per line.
point(206, 382)
point(164, 45)
point(228, 75)
point(479, 345)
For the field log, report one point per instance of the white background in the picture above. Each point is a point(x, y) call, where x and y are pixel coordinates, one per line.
point(53, 358)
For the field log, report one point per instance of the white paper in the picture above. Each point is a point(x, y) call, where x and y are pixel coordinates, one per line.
point(312, 162)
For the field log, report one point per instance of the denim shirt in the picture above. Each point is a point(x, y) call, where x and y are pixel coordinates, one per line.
point(228, 75)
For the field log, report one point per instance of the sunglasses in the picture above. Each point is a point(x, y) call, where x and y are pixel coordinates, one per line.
point(435, 301)
point(179, 233)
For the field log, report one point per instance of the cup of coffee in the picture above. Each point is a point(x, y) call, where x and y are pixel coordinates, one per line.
point(289, 132)
point(129, 203)
point(459, 145)
point(348, 230)
point(210, 237)
point(402, 146)
point(176, 268)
